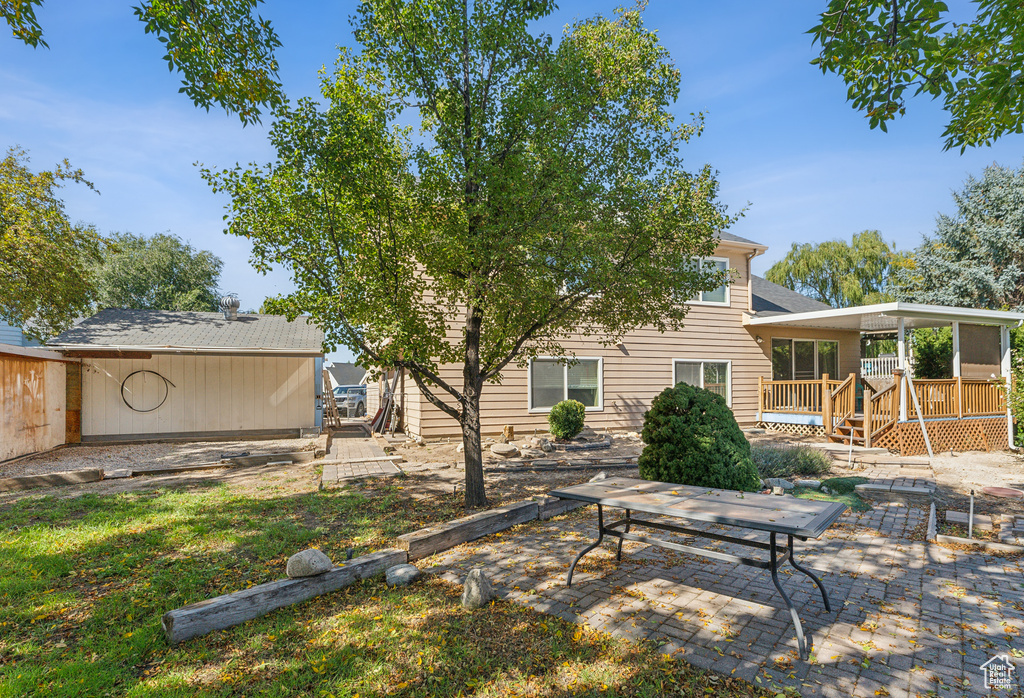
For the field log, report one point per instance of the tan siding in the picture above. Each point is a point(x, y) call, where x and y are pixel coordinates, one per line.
point(640, 368)
point(210, 393)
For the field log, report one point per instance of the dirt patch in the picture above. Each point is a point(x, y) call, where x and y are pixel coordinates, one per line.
point(144, 456)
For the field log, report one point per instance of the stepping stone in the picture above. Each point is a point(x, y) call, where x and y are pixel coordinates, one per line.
point(982, 522)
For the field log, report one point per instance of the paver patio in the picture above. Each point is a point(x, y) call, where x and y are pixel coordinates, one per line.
point(910, 618)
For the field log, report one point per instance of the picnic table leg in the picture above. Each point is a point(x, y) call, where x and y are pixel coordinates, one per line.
point(821, 587)
point(618, 551)
point(600, 537)
point(801, 642)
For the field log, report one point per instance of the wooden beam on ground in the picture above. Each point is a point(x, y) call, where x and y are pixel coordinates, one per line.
point(433, 539)
point(70, 477)
point(238, 607)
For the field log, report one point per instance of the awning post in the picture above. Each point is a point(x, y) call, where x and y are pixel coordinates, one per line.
point(901, 348)
point(956, 349)
point(1004, 364)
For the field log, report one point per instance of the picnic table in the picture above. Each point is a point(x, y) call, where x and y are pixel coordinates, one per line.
point(797, 519)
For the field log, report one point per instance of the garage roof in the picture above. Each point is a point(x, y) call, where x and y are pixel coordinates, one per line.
point(164, 330)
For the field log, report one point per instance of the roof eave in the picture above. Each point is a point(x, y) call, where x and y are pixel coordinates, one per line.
point(165, 349)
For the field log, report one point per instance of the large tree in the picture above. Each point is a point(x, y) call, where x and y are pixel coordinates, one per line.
point(45, 259)
point(157, 273)
point(223, 48)
point(976, 256)
point(472, 193)
point(838, 273)
point(886, 50)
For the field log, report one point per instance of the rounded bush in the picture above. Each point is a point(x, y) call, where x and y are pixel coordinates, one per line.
point(566, 419)
point(692, 438)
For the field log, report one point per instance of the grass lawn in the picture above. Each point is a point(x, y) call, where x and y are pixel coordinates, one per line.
point(84, 581)
point(842, 489)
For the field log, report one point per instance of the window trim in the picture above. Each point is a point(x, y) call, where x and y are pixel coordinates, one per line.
point(565, 382)
point(728, 294)
point(728, 374)
point(792, 354)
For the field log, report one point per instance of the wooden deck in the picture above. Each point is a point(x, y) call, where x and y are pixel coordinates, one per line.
point(959, 414)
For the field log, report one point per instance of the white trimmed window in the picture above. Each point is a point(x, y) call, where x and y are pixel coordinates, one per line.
point(720, 295)
point(551, 381)
point(715, 376)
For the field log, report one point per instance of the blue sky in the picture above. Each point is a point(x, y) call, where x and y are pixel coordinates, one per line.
point(787, 146)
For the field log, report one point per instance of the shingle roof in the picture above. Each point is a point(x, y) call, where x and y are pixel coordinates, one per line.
point(772, 299)
point(729, 237)
point(157, 329)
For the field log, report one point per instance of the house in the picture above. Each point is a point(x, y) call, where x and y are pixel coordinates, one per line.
point(11, 335)
point(779, 359)
point(149, 374)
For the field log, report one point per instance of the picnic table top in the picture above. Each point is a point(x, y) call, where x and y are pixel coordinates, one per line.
point(805, 518)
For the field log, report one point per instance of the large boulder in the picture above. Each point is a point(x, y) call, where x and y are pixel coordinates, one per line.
point(477, 590)
point(308, 563)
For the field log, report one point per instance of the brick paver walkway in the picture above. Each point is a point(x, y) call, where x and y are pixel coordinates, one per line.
point(352, 458)
point(909, 618)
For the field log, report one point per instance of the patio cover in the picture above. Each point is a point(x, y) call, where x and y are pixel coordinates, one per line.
point(884, 317)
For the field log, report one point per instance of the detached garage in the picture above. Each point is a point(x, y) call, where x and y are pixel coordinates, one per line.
point(151, 374)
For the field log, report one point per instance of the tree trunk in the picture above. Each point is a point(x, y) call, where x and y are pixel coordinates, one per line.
point(471, 388)
point(475, 496)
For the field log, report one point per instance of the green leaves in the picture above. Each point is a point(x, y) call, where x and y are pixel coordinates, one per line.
point(838, 273)
point(157, 273)
point(21, 17)
point(45, 260)
point(224, 50)
point(886, 50)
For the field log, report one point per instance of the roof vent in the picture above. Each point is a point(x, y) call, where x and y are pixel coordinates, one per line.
point(229, 304)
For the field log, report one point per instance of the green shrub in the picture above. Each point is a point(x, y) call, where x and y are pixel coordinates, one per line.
point(566, 419)
point(784, 461)
point(692, 438)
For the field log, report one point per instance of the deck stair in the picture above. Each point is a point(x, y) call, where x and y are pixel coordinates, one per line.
point(849, 429)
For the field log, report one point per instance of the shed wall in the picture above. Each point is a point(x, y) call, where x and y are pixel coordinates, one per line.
point(206, 394)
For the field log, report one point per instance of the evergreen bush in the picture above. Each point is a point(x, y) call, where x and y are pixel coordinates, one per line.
point(566, 419)
point(692, 438)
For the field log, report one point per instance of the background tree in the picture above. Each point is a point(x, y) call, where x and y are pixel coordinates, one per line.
point(838, 273)
point(976, 256)
point(157, 273)
point(543, 194)
point(887, 49)
point(45, 259)
point(223, 48)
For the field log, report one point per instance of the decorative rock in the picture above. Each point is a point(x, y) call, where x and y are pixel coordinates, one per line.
point(778, 490)
point(308, 563)
point(779, 482)
point(532, 453)
point(813, 484)
point(600, 476)
point(546, 446)
point(505, 450)
point(400, 575)
point(477, 590)
point(460, 448)
point(826, 490)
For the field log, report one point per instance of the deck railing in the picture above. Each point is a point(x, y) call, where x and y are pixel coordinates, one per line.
point(881, 367)
point(835, 401)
